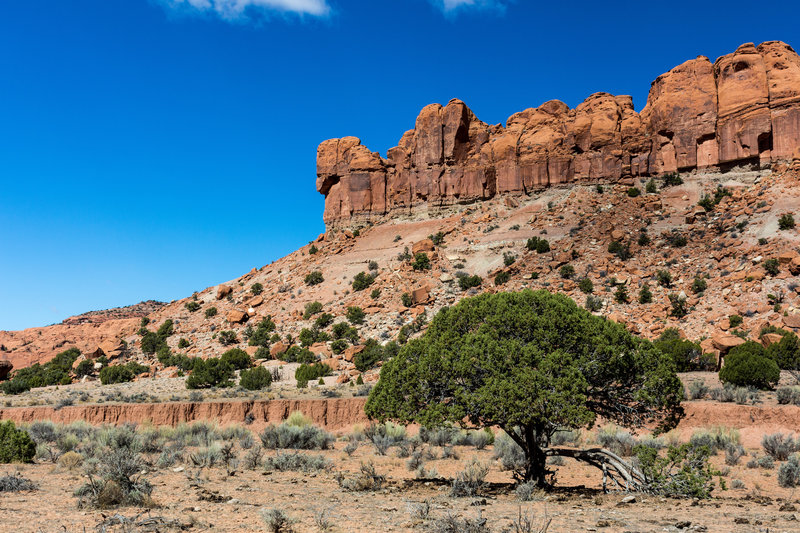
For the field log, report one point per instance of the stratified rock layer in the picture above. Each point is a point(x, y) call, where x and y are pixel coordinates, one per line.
point(742, 109)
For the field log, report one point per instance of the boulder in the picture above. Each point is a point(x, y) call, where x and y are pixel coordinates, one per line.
point(723, 342)
point(792, 321)
point(278, 348)
point(420, 295)
point(5, 369)
point(223, 291)
point(425, 245)
point(236, 317)
point(769, 339)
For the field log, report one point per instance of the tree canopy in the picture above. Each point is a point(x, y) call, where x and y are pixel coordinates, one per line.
point(530, 363)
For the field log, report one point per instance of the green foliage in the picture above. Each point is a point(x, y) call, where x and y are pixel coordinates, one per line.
point(323, 321)
point(16, 446)
point(468, 282)
point(539, 245)
point(306, 373)
point(256, 288)
point(643, 239)
point(355, 315)
point(192, 306)
point(54, 372)
point(664, 278)
point(183, 343)
point(772, 267)
point(633, 192)
point(362, 281)
point(437, 239)
point(651, 187)
point(85, 368)
point(684, 471)
point(672, 179)
point(593, 303)
point(341, 330)
point(374, 352)
point(313, 249)
point(622, 251)
point(211, 311)
point(586, 286)
point(676, 240)
point(237, 358)
point(312, 308)
point(314, 278)
point(501, 278)
point(227, 337)
point(406, 299)
point(296, 354)
point(338, 346)
point(685, 354)
point(699, 285)
point(421, 261)
point(209, 373)
point(260, 336)
point(645, 296)
point(375, 294)
point(786, 353)
point(530, 363)
point(567, 271)
point(255, 378)
point(747, 365)
point(735, 321)
point(621, 295)
point(786, 221)
point(509, 258)
point(151, 343)
point(679, 307)
point(166, 329)
point(116, 374)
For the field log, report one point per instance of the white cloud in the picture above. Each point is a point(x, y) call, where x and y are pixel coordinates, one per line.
point(236, 9)
point(449, 6)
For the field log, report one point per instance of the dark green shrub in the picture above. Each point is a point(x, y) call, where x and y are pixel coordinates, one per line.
point(261, 336)
point(16, 446)
point(686, 355)
point(306, 373)
point(192, 306)
point(708, 202)
point(312, 308)
point(116, 374)
point(633, 192)
point(508, 259)
point(183, 343)
point(684, 471)
point(593, 303)
point(645, 296)
point(747, 365)
point(676, 240)
point(313, 249)
point(211, 311)
point(772, 267)
point(567, 271)
point(664, 278)
point(209, 373)
point(227, 337)
point(314, 278)
point(237, 358)
point(421, 261)
point(338, 346)
point(374, 352)
point(679, 306)
point(375, 294)
point(166, 329)
point(622, 251)
point(256, 288)
point(151, 343)
point(501, 278)
point(786, 221)
point(672, 179)
point(643, 240)
point(85, 368)
point(255, 379)
point(362, 281)
point(406, 298)
point(586, 286)
point(699, 285)
point(54, 372)
point(355, 315)
point(735, 321)
point(786, 353)
point(468, 282)
point(296, 354)
point(437, 239)
point(539, 245)
point(651, 187)
point(324, 320)
point(621, 295)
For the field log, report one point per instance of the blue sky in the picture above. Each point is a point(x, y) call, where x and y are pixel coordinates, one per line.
point(150, 148)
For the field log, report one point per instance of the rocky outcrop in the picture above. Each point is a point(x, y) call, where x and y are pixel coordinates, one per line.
point(742, 109)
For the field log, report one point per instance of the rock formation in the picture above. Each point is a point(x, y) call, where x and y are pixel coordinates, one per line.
point(744, 109)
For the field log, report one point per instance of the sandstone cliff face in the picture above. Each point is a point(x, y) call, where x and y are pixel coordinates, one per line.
point(742, 109)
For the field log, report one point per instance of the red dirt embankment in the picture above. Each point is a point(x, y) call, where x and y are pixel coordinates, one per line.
point(753, 421)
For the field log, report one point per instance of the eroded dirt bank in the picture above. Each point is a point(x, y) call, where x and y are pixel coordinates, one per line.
point(753, 421)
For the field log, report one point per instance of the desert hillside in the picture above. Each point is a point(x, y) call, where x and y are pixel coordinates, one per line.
point(684, 198)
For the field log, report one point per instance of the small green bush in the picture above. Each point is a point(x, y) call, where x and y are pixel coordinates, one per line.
point(539, 245)
point(362, 281)
point(255, 378)
point(735, 320)
point(237, 358)
point(645, 295)
point(699, 285)
point(192, 306)
point(85, 368)
point(16, 445)
point(211, 311)
point(116, 374)
point(314, 278)
point(633, 192)
point(209, 373)
point(786, 221)
point(312, 308)
point(406, 299)
point(586, 286)
point(747, 365)
point(355, 315)
point(771, 267)
point(421, 261)
point(468, 282)
point(567, 271)
point(664, 278)
point(306, 373)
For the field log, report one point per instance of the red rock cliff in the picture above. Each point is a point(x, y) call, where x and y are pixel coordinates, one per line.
point(742, 109)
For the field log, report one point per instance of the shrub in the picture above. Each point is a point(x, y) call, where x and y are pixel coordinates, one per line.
point(672, 179)
point(735, 321)
point(255, 379)
point(593, 303)
point(468, 282)
point(85, 368)
point(116, 374)
point(116, 479)
point(355, 315)
point(664, 278)
point(367, 479)
point(779, 446)
point(502, 278)
point(686, 355)
point(276, 521)
point(621, 295)
point(338, 346)
point(437, 239)
point(295, 354)
point(470, 481)
point(306, 373)
point(375, 294)
point(374, 352)
point(747, 365)
point(509, 258)
point(683, 471)
point(323, 321)
point(256, 288)
point(676, 240)
point(314, 278)
point(643, 239)
point(771, 267)
point(151, 342)
point(788, 395)
point(406, 299)
point(651, 187)
point(286, 436)
point(539, 245)
point(183, 343)
point(789, 473)
point(586, 286)
point(421, 261)
point(296, 462)
point(697, 390)
point(211, 311)
point(237, 358)
point(312, 308)
point(227, 337)
point(622, 251)
point(362, 281)
point(209, 373)
point(313, 249)
point(699, 285)
point(633, 192)
point(786, 221)
point(192, 306)
point(16, 445)
point(645, 295)
point(786, 353)
point(16, 483)
point(567, 271)
point(679, 306)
